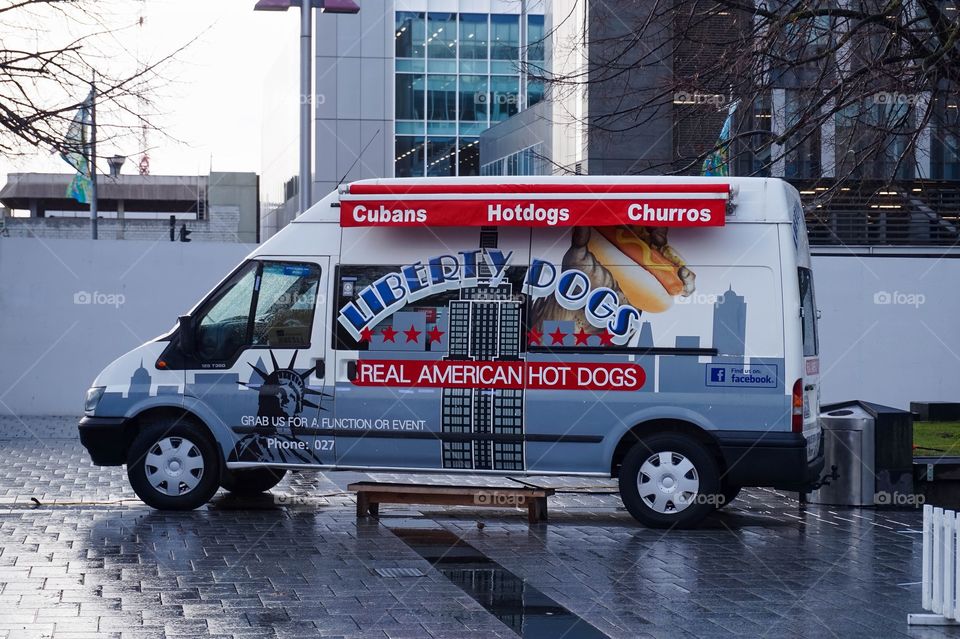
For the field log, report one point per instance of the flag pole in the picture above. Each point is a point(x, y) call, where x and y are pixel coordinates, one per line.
point(92, 165)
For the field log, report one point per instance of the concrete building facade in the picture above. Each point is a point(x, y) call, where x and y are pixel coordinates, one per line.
point(403, 88)
point(220, 207)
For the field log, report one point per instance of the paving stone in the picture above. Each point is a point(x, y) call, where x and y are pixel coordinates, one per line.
point(92, 560)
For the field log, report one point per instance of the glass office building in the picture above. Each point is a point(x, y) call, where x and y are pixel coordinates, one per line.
point(456, 75)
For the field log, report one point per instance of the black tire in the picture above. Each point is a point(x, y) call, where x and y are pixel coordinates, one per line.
point(251, 482)
point(688, 508)
point(729, 494)
point(194, 464)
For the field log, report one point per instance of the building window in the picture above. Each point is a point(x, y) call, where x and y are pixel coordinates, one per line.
point(803, 148)
point(945, 150)
point(441, 97)
point(410, 36)
point(528, 161)
point(474, 98)
point(410, 156)
point(410, 98)
point(504, 96)
point(505, 37)
point(441, 156)
point(442, 36)
point(468, 157)
point(474, 40)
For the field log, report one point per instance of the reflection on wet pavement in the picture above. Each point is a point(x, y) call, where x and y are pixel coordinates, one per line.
point(526, 610)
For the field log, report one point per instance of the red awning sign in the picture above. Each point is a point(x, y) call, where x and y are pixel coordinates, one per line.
point(536, 205)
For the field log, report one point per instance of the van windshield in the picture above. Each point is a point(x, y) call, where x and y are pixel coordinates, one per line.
point(808, 310)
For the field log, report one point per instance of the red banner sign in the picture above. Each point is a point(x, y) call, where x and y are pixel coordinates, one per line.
point(534, 205)
point(516, 375)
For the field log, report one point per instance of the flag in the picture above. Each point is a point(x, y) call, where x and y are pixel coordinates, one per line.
point(717, 163)
point(77, 141)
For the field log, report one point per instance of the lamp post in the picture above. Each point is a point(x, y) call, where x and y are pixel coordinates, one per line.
point(306, 73)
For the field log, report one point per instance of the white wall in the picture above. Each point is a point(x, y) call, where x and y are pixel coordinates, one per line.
point(890, 328)
point(51, 348)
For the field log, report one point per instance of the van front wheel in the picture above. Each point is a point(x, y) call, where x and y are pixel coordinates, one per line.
point(173, 467)
point(669, 480)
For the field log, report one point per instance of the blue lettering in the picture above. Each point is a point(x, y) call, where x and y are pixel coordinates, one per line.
point(622, 324)
point(369, 296)
point(412, 275)
point(352, 313)
point(601, 304)
point(441, 272)
point(390, 293)
point(535, 284)
point(498, 264)
point(469, 264)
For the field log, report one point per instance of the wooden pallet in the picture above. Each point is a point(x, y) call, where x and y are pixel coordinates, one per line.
point(371, 494)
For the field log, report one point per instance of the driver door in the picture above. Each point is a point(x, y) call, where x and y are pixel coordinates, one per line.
point(260, 362)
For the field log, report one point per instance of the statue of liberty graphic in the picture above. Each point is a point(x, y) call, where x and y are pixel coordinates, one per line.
point(283, 394)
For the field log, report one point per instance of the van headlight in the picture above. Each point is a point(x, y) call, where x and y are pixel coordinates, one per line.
point(94, 394)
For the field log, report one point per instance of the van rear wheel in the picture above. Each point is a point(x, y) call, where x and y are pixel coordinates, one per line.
point(252, 481)
point(173, 466)
point(669, 480)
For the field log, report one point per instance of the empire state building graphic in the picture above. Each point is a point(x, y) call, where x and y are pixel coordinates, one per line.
point(484, 325)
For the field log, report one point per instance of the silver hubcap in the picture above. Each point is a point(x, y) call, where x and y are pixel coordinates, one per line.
point(668, 482)
point(174, 466)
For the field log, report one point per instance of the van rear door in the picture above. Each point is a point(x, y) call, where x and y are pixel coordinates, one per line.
point(811, 358)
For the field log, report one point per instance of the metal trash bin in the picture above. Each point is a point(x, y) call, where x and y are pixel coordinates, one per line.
point(848, 444)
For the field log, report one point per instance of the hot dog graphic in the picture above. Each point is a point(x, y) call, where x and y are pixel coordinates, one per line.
point(609, 256)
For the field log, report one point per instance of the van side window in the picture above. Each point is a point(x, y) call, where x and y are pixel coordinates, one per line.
point(222, 329)
point(265, 304)
point(808, 308)
point(285, 303)
point(461, 321)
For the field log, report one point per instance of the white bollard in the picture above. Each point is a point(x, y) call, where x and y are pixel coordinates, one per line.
point(941, 569)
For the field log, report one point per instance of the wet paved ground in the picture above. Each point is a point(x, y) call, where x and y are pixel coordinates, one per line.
point(91, 560)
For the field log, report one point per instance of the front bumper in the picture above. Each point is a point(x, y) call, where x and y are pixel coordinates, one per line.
point(106, 439)
point(777, 460)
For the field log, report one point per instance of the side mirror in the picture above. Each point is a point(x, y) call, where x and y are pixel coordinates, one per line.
point(186, 335)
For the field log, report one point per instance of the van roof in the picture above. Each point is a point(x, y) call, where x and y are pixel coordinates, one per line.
point(751, 199)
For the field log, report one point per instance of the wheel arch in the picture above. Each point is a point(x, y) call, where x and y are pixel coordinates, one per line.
point(167, 413)
point(663, 425)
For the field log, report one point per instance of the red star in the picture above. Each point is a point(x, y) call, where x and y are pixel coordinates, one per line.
point(581, 336)
point(434, 335)
point(606, 338)
point(557, 336)
point(388, 334)
point(535, 336)
point(366, 334)
point(412, 334)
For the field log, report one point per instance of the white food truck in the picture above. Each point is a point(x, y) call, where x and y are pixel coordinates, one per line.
point(661, 330)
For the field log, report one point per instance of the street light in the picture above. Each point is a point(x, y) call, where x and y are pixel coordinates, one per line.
point(306, 71)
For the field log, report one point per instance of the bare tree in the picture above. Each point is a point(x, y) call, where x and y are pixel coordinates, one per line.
point(50, 52)
point(872, 80)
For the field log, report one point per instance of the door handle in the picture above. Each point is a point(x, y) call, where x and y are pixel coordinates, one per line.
point(320, 367)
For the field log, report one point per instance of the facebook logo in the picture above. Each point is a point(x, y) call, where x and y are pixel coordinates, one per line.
point(718, 374)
